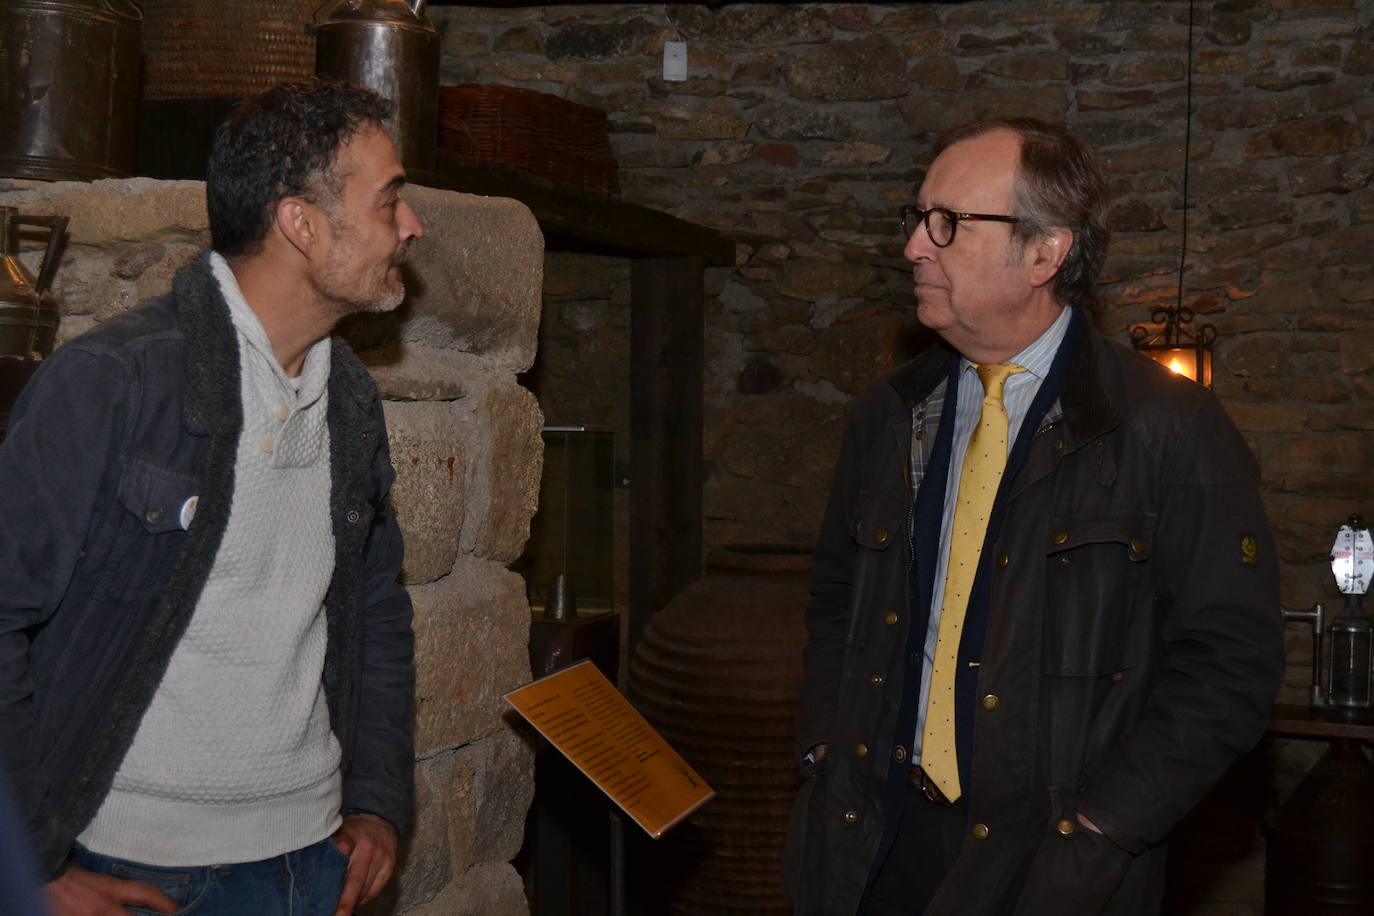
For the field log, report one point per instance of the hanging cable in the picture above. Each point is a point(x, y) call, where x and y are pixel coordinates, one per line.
point(1187, 154)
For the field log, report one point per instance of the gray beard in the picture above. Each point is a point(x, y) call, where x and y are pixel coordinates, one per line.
point(389, 304)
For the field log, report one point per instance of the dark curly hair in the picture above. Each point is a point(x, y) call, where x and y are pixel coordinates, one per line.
point(1059, 185)
point(281, 144)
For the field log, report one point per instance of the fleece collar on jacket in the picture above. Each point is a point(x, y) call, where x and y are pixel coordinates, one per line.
point(212, 357)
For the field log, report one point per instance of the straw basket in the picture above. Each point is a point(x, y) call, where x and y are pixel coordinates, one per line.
point(215, 49)
point(531, 132)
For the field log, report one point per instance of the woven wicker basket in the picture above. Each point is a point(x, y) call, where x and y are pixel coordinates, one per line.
point(529, 131)
point(216, 49)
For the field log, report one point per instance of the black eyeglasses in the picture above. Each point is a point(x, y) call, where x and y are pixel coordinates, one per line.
point(941, 223)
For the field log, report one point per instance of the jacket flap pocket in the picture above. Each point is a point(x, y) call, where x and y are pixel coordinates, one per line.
point(1132, 531)
point(878, 522)
point(1095, 575)
point(157, 496)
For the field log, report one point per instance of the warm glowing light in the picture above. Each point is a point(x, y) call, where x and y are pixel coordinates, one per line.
point(1176, 366)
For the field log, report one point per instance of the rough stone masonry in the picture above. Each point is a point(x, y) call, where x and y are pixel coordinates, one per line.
point(803, 127)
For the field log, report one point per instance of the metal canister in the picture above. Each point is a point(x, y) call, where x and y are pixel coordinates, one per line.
point(69, 97)
point(392, 48)
point(1320, 843)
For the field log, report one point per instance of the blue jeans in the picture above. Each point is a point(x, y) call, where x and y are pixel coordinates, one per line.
point(306, 882)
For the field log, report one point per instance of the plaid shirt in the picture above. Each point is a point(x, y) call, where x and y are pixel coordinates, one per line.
point(925, 423)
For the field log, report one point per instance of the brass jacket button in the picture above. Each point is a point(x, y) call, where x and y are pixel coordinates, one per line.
point(876, 680)
point(861, 750)
point(154, 516)
point(353, 515)
point(1137, 546)
point(850, 817)
point(881, 537)
point(1059, 445)
point(1061, 537)
point(1002, 561)
point(1065, 827)
point(899, 753)
point(980, 831)
point(991, 701)
point(891, 618)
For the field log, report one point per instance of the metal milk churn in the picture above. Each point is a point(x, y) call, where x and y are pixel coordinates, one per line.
point(28, 312)
point(69, 86)
point(392, 48)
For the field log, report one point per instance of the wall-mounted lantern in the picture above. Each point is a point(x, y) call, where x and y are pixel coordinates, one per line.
point(1172, 343)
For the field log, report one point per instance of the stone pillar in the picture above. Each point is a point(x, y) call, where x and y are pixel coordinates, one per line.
point(466, 447)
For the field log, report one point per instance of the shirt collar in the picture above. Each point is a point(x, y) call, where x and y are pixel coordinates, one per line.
point(315, 369)
point(1037, 358)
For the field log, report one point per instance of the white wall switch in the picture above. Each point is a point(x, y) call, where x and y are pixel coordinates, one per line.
point(675, 61)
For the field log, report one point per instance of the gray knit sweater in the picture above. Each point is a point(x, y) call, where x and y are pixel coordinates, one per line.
point(234, 760)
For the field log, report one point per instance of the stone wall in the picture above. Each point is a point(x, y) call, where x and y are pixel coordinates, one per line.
point(465, 444)
point(803, 127)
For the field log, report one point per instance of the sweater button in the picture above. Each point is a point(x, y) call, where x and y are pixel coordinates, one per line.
point(980, 831)
point(266, 444)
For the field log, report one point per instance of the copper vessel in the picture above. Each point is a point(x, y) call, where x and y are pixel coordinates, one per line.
point(1320, 843)
point(69, 97)
point(392, 48)
point(28, 312)
point(718, 673)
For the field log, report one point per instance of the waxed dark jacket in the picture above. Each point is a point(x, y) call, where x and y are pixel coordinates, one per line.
point(98, 579)
point(1132, 646)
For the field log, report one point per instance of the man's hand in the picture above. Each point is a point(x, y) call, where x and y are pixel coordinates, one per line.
point(370, 843)
point(84, 893)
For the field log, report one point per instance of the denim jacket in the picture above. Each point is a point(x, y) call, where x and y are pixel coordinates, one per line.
point(98, 578)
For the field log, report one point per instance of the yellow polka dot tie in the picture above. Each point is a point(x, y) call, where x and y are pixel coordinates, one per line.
point(984, 462)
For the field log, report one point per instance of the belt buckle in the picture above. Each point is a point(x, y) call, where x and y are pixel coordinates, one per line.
point(929, 789)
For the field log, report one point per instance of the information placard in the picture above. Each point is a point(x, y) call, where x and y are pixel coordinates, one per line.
point(585, 717)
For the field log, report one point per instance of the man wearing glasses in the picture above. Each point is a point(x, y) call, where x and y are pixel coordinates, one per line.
point(1044, 606)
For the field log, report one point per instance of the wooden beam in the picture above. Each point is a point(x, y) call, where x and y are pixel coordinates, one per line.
point(666, 343)
point(574, 219)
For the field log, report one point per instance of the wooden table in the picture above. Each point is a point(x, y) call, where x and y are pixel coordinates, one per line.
point(1288, 721)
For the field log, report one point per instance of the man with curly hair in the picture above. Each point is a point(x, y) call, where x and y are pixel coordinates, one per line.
point(207, 658)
